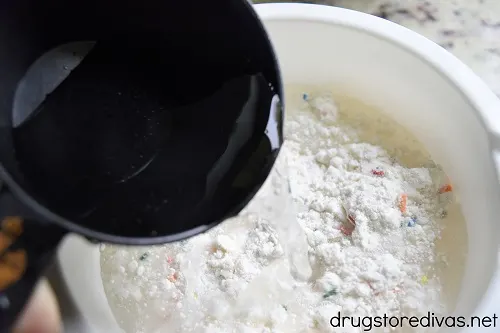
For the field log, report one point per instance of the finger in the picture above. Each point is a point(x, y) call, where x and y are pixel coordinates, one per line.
point(41, 314)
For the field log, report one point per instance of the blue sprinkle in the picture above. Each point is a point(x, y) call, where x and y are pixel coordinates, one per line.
point(305, 96)
point(412, 222)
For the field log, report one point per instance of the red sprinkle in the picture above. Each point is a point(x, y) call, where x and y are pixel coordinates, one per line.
point(375, 293)
point(350, 218)
point(369, 285)
point(379, 173)
point(445, 188)
point(346, 231)
point(170, 260)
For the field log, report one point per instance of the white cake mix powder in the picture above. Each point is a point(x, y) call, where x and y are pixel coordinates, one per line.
point(372, 206)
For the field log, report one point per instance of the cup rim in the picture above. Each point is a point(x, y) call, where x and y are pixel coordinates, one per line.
point(41, 212)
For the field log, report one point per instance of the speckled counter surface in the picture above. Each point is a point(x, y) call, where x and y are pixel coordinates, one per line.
point(470, 29)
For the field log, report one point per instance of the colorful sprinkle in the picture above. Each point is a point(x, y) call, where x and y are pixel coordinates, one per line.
point(396, 290)
point(402, 203)
point(370, 285)
point(144, 256)
point(424, 279)
point(376, 293)
point(346, 231)
point(305, 96)
point(412, 222)
point(329, 293)
point(173, 277)
point(170, 259)
point(351, 219)
point(379, 173)
point(445, 188)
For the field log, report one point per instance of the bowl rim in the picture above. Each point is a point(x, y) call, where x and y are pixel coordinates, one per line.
point(470, 85)
point(472, 88)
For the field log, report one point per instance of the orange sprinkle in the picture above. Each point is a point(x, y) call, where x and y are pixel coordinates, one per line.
point(445, 188)
point(379, 173)
point(402, 203)
point(173, 277)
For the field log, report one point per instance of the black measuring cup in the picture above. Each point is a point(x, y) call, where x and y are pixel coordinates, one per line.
point(127, 122)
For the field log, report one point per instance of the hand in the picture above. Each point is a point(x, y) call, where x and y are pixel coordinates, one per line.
point(41, 314)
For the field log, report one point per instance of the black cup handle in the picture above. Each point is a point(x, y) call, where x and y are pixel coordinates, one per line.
point(27, 246)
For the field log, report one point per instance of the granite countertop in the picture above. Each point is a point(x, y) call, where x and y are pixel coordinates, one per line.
point(470, 29)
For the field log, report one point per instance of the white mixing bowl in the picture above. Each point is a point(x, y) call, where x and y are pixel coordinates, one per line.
point(415, 81)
